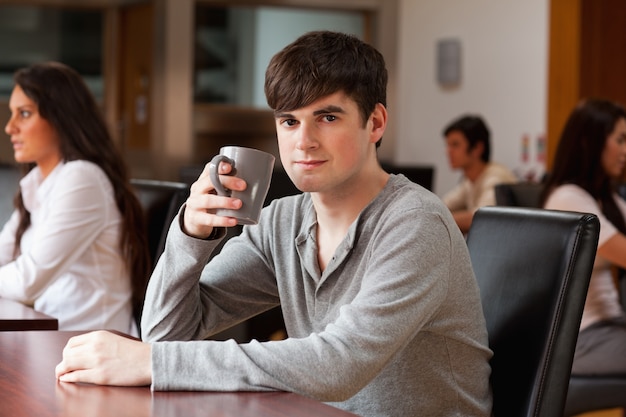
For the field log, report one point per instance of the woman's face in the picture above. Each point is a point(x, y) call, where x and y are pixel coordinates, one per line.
point(33, 137)
point(614, 152)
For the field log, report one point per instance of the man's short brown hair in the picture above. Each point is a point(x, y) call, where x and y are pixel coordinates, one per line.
point(321, 63)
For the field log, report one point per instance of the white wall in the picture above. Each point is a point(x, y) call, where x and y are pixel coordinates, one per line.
point(504, 46)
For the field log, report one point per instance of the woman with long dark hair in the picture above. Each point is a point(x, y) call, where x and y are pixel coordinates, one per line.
point(75, 247)
point(588, 165)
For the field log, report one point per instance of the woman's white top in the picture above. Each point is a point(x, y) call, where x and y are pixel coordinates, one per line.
point(70, 266)
point(602, 298)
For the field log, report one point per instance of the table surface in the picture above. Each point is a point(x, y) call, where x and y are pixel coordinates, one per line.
point(17, 316)
point(28, 387)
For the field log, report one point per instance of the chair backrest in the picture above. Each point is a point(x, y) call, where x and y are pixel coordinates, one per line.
point(519, 194)
point(9, 182)
point(419, 174)
point(533, 268)
point(160, 201)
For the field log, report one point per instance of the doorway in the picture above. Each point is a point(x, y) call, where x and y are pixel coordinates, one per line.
point(136, 79)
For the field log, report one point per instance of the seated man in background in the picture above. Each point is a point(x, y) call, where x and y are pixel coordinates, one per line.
point(468, 149)
point(381, 306)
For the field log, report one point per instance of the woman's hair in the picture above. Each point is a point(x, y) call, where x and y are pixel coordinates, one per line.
point(64, 100)
point(321, 63)
point(578, 158)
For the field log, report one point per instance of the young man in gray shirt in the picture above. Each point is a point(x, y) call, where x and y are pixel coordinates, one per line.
point(380, 303)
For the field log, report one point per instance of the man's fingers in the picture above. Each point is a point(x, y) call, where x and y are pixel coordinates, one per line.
point(105, 358)
point(79, 340)
point(73, 360)
point(74, 376)
point(79, 353)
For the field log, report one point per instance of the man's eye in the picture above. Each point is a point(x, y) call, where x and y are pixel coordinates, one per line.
point(289, 122)
point(330, 118)
point(25, 113)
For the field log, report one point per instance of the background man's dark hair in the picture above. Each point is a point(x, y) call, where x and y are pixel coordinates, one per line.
point(475, 130)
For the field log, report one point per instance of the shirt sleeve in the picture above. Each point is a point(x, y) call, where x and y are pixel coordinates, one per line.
point(486, 190)
point(487, 193)
point(71, 220)
point(7, 239)
point(174, 294)
point(456, 198)
point(574, 198)
point(399, 294)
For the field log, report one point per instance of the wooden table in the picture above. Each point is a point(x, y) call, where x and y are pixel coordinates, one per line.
point(28, 387)
point(17, 316)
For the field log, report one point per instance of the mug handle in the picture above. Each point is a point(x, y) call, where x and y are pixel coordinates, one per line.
point(215, 178)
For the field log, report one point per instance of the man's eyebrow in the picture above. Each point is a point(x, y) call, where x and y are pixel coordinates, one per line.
point(324, 110)
point(329, 109)
point(281, 115)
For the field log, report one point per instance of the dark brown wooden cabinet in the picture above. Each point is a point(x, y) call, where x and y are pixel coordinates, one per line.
point(587, 41)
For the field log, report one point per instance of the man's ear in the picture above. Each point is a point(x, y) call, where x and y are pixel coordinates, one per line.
point(478, 149)
point(378, 122)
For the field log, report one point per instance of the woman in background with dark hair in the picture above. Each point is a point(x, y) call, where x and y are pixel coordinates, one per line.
point(74, 248)
point(589, 162)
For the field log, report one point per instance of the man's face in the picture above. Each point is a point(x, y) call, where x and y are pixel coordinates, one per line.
point(457, 148)
point(324, 146)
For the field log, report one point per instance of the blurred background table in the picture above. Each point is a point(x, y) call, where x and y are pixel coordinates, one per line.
point(17, 316)
point(28, 387)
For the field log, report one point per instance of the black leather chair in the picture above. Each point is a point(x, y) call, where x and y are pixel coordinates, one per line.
point(9, 182)
point(589, 393)
point(519, 194)
point(586, 392)
point(160, 201)
point(533, 268)
point(419, 174)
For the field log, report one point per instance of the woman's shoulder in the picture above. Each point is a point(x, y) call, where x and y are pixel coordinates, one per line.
point(86, 177)
point(571, 197)
point(82, 170)
point(570, 191)
point(82, 165)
